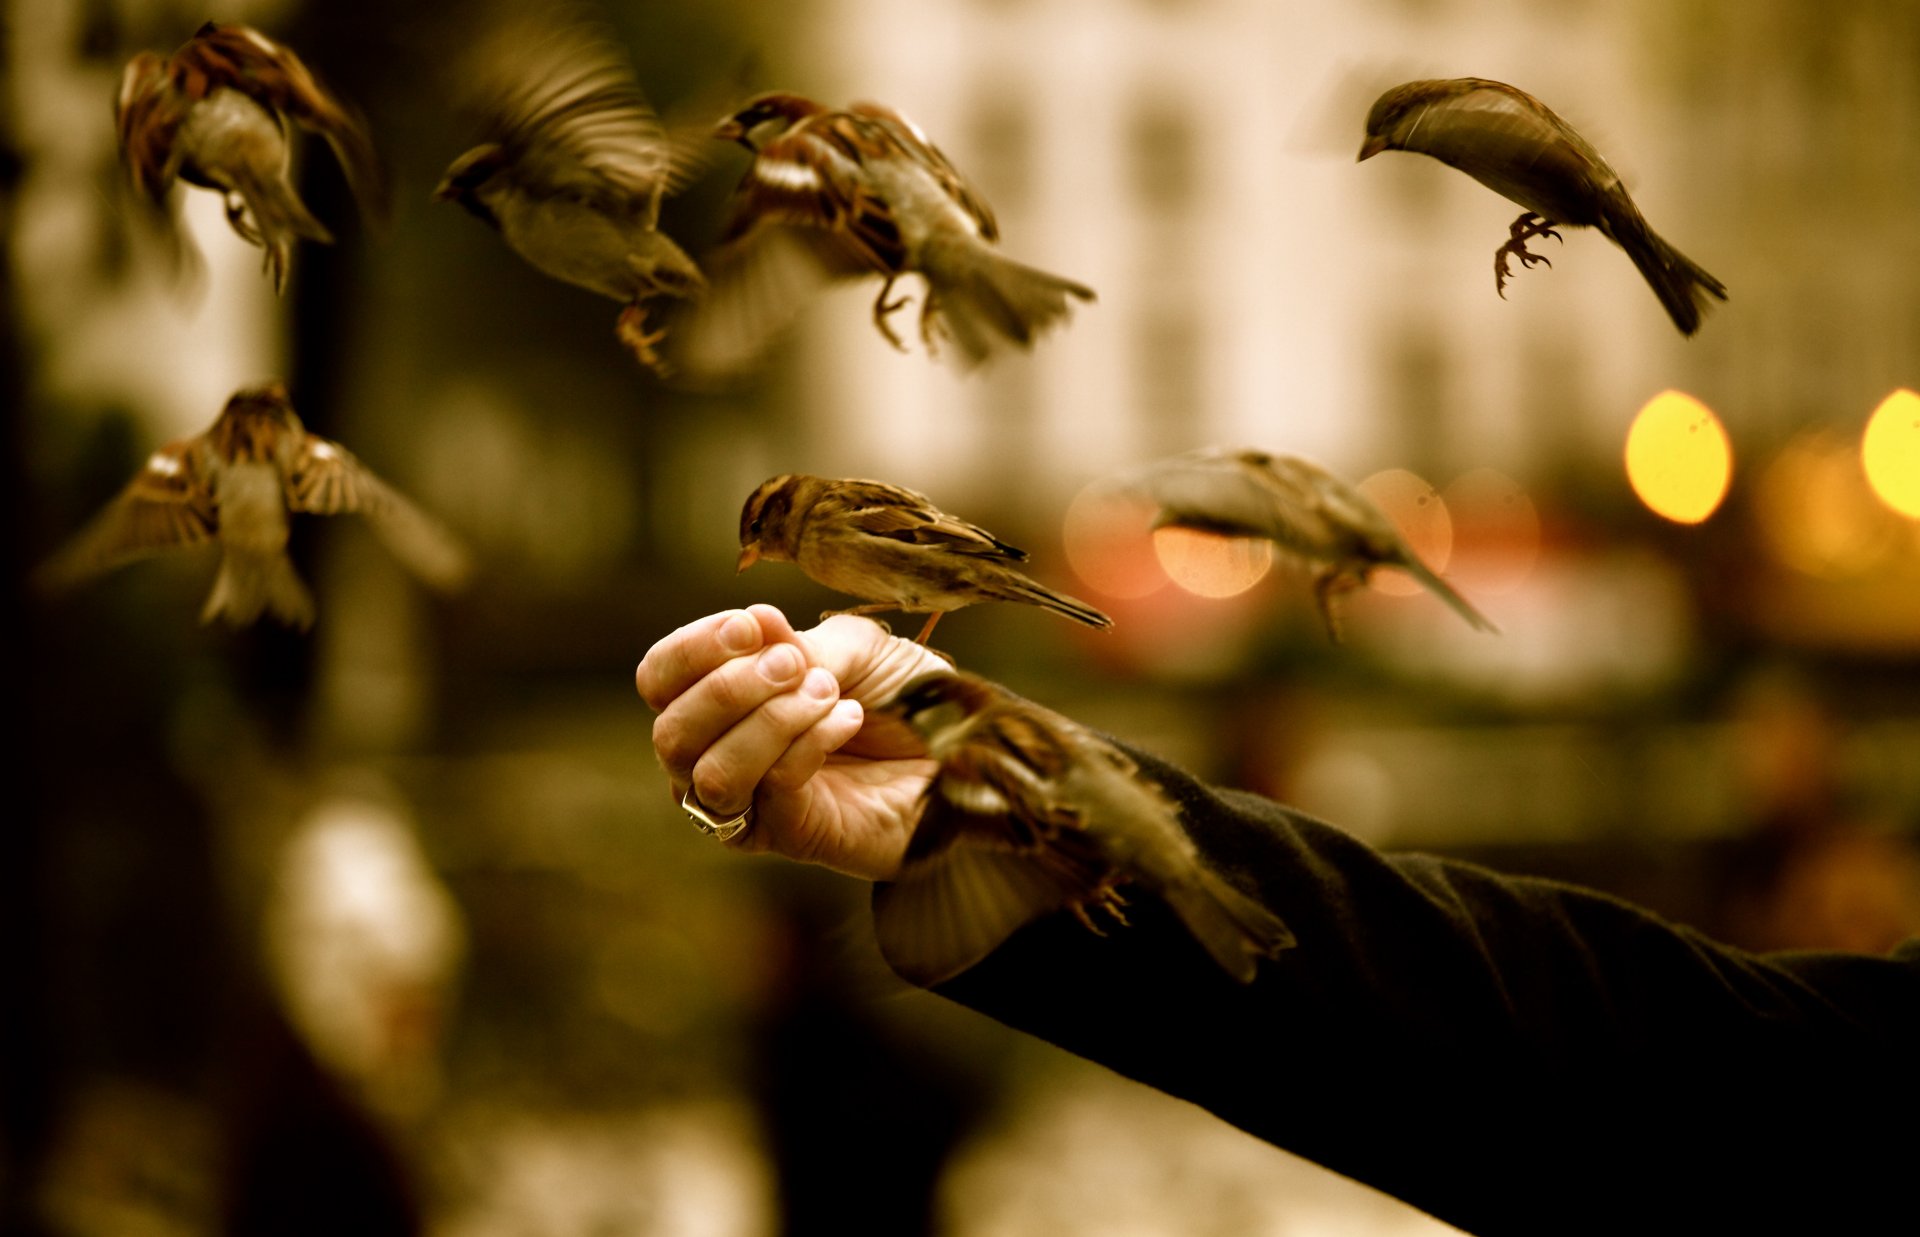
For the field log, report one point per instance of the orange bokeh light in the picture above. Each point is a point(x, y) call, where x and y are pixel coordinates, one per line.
point(1105, 538)
point(1496, 531)
point(1209, 565)
point(1679, 460)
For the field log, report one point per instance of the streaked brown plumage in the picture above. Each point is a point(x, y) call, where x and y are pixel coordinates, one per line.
point(837, 194)
point(236, 484)
point(1029, 813)
point(215, 114)
point(1512, 143)
point(573, 169)
point(890, 546)
point(1302, 508)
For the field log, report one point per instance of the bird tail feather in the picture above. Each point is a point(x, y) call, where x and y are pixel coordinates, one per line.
point(1072, 607)
point(246, 588)
point(978, 298)
point(1232, 927)
point(1447, 593)
point(1680, 283)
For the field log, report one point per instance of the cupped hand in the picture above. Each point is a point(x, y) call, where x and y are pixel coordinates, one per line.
point(752, 712)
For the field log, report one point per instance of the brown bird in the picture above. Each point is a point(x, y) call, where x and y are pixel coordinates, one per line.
point(1302, 508)
point(215, 114)
point(236, 484)
point(1510, 142)
point(1028, 813)
point(889, 545)
point(573, 169)
point(839, 194)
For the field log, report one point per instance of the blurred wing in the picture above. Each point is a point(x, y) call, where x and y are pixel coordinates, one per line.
point(1236, 493)
point(912, 141)
point(241, 58)
point(562, 99)
point(166, 505)
point(812, 178)
point(755, 289)
point(991, 853)
point(326, 479)
point(1490, 128)
point(147, 115)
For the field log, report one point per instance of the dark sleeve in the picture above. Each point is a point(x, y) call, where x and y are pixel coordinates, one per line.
point(1510, 1055)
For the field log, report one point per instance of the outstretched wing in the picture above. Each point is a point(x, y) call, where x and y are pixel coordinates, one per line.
point(324, 478)
point(166, 505)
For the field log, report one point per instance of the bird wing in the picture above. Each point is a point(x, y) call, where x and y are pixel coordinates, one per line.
point(560, 97)
point(899, 514)
point(167, 504)
point(147, 115)
point(324, 478)
point(813, 178)
point(1513, 143)
point(1236, 493)
point(992, 852)
point(909, 139)
point(237, 57)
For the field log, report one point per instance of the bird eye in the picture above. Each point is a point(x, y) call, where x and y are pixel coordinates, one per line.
point(757, 522)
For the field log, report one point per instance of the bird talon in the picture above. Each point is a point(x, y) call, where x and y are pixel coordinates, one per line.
point(632, 332)
point(882, 307)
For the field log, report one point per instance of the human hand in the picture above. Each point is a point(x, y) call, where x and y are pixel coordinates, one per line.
point(753, 712)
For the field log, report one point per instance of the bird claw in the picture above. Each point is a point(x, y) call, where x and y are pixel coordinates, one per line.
point(632, 331)
point(882, 307)
point(1107, 899)
point(1523, 229)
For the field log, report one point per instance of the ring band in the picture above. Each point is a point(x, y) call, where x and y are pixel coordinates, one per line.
point(725, 830)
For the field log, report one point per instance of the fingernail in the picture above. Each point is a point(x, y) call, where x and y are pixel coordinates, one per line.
point(820, 684)
point(850, 713)
point(780, 663)
point(740, 634)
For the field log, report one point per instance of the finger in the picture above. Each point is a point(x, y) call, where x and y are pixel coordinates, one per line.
point(695, 719)
point(774, 627)
point(729, 771)
point(806, 754)
point(681, 659)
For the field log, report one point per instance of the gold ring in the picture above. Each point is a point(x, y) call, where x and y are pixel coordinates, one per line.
point(725, 830)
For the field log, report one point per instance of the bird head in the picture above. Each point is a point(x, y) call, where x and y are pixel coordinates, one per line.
point(765, 117)
point(254, 420)
point(465, 177)
point(1397, 113)
point(934, 703)
point(769, 521)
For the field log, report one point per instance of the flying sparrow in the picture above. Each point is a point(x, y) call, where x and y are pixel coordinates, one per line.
point(215, 114)
point(1028, 813)
point(890, 545)
point(1510, 142)
point(573, 169)
point(1302, 508)
point(862, 191)
point(236, 484)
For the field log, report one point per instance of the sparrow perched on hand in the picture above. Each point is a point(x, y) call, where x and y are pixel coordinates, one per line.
point(215, 114)
point(862, 191)
point(573, 169)
point(1027, 813)
point(891, 545)
point(1302, 508)
point(236, 484)
point(1510, 142)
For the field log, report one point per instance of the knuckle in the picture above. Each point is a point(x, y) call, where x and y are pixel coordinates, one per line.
point(670, 743)
point(712, 786)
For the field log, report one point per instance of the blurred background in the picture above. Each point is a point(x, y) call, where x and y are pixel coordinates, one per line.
point(393, 927)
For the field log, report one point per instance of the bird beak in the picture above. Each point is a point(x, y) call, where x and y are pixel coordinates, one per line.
point(730, 130)
point(1371, 147)
point(445, 191)
point(749, 555)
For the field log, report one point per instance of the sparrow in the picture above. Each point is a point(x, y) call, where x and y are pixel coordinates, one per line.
point(1029, 812)
point(216, 114)
point(862, 191)
point(890, 545)
point(573, 169)
point(1306, 511)
point(237, 483)
point(1513, 144)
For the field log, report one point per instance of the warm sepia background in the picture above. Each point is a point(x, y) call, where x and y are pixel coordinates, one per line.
point(394, 928)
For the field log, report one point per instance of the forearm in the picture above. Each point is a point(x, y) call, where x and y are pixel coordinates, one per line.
point(1481, 1046)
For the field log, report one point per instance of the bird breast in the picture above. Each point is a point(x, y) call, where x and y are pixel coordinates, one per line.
point(227, 129)
point(571, 240)
point(253, 508)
